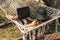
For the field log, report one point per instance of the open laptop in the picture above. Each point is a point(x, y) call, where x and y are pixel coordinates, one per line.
point(23, 12)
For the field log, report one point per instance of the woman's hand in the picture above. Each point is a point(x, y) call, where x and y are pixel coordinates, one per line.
point(15, 17)
point(12, 17)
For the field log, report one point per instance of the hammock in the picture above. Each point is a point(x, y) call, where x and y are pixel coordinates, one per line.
point(36, 32)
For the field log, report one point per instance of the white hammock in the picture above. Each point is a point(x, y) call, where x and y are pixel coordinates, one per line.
point(40, 28)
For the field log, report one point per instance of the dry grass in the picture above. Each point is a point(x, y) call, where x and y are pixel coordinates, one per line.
point(9, 33)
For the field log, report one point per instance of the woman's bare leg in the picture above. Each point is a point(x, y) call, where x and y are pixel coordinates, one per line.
point(30, 19)
point(33, 23)
point(25, 21)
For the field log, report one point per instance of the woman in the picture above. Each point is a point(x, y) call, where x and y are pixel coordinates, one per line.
point(23, 14)
point(25, 17)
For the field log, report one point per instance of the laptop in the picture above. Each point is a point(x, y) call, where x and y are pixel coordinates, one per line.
point(23, 12)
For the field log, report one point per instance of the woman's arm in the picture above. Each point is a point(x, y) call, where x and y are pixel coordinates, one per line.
point(15, 17)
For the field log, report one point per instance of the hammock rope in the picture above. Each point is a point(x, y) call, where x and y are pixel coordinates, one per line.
point(31, 31)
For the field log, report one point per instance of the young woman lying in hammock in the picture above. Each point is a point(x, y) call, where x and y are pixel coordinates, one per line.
point(24, 16)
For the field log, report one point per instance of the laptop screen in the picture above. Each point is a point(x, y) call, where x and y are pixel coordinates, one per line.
point(23, 12)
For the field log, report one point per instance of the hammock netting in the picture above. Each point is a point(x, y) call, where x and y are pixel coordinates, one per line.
point(9, 8)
